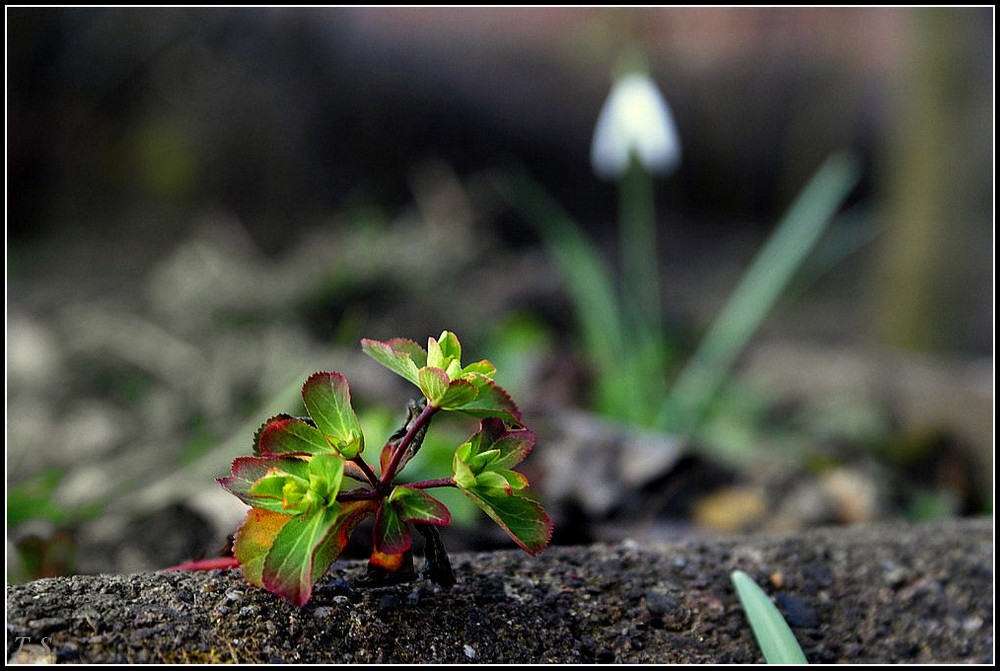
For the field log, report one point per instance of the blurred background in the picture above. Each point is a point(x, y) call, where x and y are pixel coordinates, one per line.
point(206, 205)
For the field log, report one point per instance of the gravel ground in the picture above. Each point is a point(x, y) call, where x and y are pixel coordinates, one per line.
point(864, 594)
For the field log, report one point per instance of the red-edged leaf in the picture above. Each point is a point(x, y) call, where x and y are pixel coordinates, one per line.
point(416, 505)
point(349, 516)
point(254, 538)
point(247, 471)
point(289, 567)
point(403, 357)
point(522, 518)
point(327, 397)
point(493, 401)
point(510, 446)
point(391, 534)
point(514, 446)
point(285, 434)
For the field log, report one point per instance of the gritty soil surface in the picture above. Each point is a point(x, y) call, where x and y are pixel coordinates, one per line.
point(866, 594)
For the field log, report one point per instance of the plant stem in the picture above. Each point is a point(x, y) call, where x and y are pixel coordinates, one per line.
point(358, 495)
point(427, 484)
point(390, 470)
point(367, 470)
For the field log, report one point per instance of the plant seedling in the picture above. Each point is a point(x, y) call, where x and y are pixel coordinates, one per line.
point(302, 512)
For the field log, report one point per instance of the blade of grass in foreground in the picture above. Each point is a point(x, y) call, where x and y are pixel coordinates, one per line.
point(757, 292)
point(773, 635)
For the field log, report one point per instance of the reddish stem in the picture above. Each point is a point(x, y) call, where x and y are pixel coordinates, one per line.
point(358, 495)
point(390, 470)
point(427, 484)
point(367, 470)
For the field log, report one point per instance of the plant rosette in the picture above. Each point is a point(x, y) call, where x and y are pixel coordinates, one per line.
point(301, 516)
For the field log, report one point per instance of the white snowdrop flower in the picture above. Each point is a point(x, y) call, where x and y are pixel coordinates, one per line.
point(635, 118)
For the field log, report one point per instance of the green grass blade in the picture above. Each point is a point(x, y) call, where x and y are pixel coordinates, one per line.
point(773, 635)
point(757, 292)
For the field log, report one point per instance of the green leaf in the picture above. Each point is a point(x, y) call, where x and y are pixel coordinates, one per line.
point(774, 637)
point(289, 568)
point(522, 518)
point(327, 397)
point(459, 393)
point(326, 473)
point(441, 353)
point(483, 367)
point(479, 461)
point(515, 480)
point(247, 471)
point(401, 356)
point(281, 493)
point(758, 290)
point(433, 383)
point(463, 475)
point(391, 534)
point(416, 505)
point(254, 538)
point(284, 434)
point(491, 480)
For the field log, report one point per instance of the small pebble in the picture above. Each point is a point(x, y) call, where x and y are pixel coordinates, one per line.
point(659, 602)
point(798, 612)
point(470, 652)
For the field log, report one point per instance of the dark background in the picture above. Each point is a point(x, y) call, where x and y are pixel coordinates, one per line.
point(201, 203)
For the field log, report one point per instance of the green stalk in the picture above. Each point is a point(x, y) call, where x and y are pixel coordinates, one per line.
point(641, 287)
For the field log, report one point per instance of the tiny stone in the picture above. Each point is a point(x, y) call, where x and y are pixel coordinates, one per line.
point(323, 612)
point(341, 586)
point(659, 602)
point(470, 652)
point(798, 612)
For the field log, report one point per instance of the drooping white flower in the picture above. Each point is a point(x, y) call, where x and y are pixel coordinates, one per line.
point(635, 118)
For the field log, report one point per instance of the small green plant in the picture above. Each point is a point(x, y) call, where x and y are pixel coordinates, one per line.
point(774, 637)
point(302, 514)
